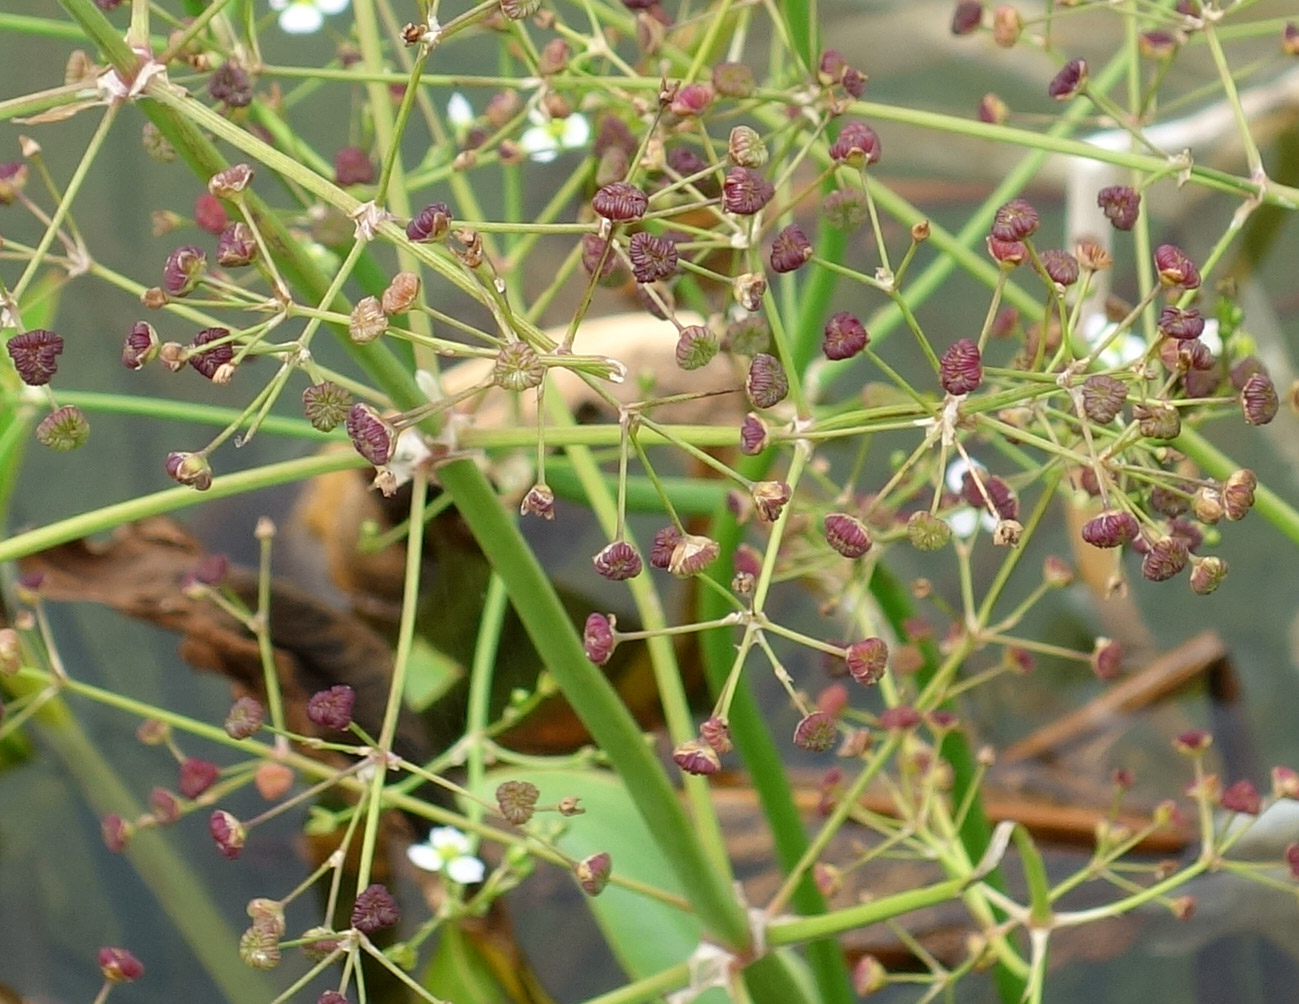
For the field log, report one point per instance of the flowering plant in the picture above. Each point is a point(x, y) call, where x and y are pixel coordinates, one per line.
point(663, 284)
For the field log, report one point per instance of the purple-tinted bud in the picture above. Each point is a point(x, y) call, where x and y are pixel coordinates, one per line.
point(1258, 399)
point(620, 202)
point(617, 561)
point(790, 250)
point(899, 719)
point(745, 192)
point(696, 347)
point(140, 346)
point(593, 873)
point(116, 832)
point(332, 708)
point(717, 734)
point(1242, 797)
point(209, 214)
point(1121, 205)
point(960, 370)
point(967, 17)
point(1107, 658)
point(539, 501)
point(1207, 574)
point(1071, 79)
point(597, 638)
point(1061, 267)
point(119, 966)
point(236, 247)
point(244, 718)
point(665, 543)
point(766, 384)
point(858, 145)
point(164, 806)
point(65, 428)
point(230, 84)
point(695, 756)
point(1176, 268)
point(847, 534)
point(197, 776)
point(13, 179)
point(372, 437)
point(1168, 501)
point(927, 532)
point(1167, 556)
point(183, 269)
point(816, 733)
point(844, 336)
point(353, 166)
point(733, 80)
point(769, 498)
point(1174, 322)
point(993, 494)
point(375, 910)
point(208, 361)
point(1008, 254)
point(326, 404)
point(1158, 420)
point(190, 469)
point(1015, 221)
point(430, 224)
point(867, 660)
point(231, 181)
point(753, 435)
point(1103, 397)
point(993, 110)
point(652, 258)
point(1238, 493)
point(228, 833)
point(1112, 528)
point(1193, 742)
point(691, 100)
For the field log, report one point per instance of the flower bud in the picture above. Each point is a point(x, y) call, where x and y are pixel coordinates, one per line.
point(230, 85)
point(1112, 528)
point(119, 966)
point(273, 780)
point(691, 100)
point(1183, 325)
point(183, 270)
point(696, 756)
point(1103, 397)
point(197, 776)
point(1121, 205)
point(745, 148)
point(1167, 556)
point(790, 250)
point(539, 501)
point(620, 202)
point(867, 660)
point(753, 435)
point(1071, 79)
point(1107, 658)
point(353, 166)
point(375, 910)
point(598, 639)
point(190, 469)
point(228, 833)
point(869, 975)
point(927, 532)
point(857, 145)
point(1238, 493)
point(1207, 575)
point(1006, 26)
point(652, 258)
point(1258, 399)
point(13, 179)
point(593, 873)
point(1060, 266)
point(1242, 797)
point(116, 832)
point(717, 734)
point(1285, 783)
point(990, 492)
point(1176, 268)
point(966, 18)
point(1016, 220)
point(745, 191)
point(816, 733)
point(244, 718)
point(34, 354)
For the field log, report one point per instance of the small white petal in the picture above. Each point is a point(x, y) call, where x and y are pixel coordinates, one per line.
point(962, 523)
point(448, 840)
point(300, 18)
point(466, 870)
point(425, 857)
point(576, 131)
point(332, 6)
point(955, 476)
point(1210, 336)
point(459, 111)
point(279, 5)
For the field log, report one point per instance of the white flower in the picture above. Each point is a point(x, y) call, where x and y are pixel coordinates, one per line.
point(447, 851)
point(303, 17)
point(546, 137)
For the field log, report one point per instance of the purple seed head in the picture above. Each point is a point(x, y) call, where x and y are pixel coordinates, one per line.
point(1167, 556)
point(620, 202)
point(867, 660)
point(790, 250)
point(844, 336)
point(244, 718)
point(967, 17)
point(692, 554)
point(190, 469)
point(209, 214)
point(230, 182)
point(595, 256)
point(197, 776)
point(1174, 322)
point(858, 146)
point(140, 346)
point(1242, 797)
point(1121, 205)
point(696, 756)
point(766, 384)
point(652, 258)
point(230, 84)
point(846, 534)
point(236, 247)
point(1258, 399)
point(1112, 528)
point(538, 501)
point(119, 966)
point(372, 437)
point(208, 361)
point(665, 542)
point(816, 733)
point(332, 708)
point(717, 734)
point(597, 638)
point(1016, 220)
point(1061, 267)
point(994, 494)
point(353, 166)
point(375, 910)
point(1103, 397)
point(960, 370)
point(617, 561)
point(116, 832)
point(1207, 574)
point(1007, 254)
point(430, 224)
point(770, 498)
point(900, 719)
point(745, 191)
point(691, 100)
